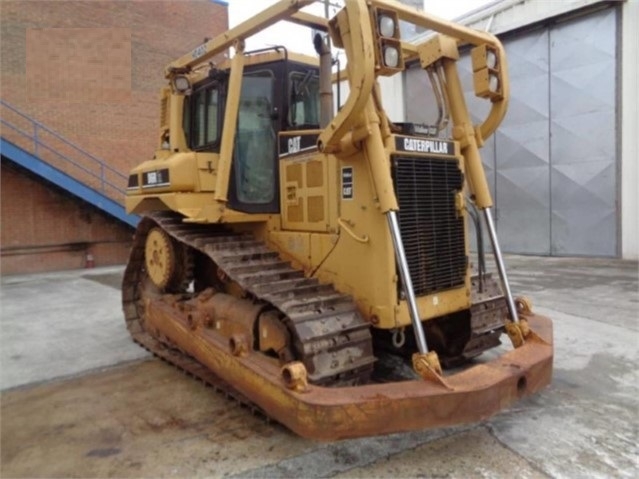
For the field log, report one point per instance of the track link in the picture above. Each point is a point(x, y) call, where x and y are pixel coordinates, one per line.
point(328, 332)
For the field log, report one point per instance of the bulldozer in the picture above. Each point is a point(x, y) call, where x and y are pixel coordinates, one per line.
point(313, 262)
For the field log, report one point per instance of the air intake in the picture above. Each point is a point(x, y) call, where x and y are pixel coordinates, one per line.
point(431, 229)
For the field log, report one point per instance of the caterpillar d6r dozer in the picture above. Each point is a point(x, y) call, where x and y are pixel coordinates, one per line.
point(315, 266)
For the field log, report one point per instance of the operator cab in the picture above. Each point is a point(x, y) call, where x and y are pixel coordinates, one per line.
point(278, 93)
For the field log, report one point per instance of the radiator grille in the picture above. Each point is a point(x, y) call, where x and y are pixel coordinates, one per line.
point(431, 230)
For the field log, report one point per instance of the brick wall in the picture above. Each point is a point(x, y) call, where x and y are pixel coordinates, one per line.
point(91, 71)
point(46, 229)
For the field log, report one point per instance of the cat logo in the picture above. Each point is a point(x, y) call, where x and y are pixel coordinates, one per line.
point(425, 145)
point(294, 144)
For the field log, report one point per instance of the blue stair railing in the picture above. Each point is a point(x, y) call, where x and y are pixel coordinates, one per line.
point(65, 158)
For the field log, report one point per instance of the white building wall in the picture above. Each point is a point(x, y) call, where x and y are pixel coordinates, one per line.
point(630, 130)
point(392, 91)
point(505, 15)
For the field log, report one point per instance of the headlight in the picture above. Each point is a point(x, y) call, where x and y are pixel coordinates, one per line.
point(493, 83)
point(181, 83)
point(391, 57)
point(386, 26)
point(491, 59)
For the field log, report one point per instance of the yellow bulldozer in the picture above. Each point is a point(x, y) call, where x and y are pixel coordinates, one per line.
point(316, 265)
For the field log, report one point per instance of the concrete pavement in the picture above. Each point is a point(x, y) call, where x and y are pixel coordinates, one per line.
point(145, 419)
point(61, 324)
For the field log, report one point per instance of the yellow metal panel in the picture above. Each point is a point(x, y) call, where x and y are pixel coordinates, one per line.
point(293, 246)
point(295, 213)
point(196, 208)
point(316, 208)
point(435, 305)
point(294, 174)
point(174, 201)
point(440, 46)
point(291, 180)
point(366, 270)
point(182, 173)
point(314, 174)
point(304, 197)
point(332, 188)
point(207, 167)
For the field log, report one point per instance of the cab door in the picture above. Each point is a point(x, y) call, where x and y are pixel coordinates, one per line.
point(254, 184)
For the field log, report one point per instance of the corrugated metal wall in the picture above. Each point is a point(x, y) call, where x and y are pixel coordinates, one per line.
point(552, 165)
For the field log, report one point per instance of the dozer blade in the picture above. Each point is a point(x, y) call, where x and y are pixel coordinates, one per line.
point(323, 413)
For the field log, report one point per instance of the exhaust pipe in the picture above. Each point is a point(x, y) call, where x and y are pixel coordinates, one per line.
point(323, 48)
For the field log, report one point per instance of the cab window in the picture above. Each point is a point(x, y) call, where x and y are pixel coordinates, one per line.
point(204, 106)
point(303, 111)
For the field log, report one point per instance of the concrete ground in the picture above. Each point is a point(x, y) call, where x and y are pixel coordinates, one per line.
point(60, 324)
point(80, 400)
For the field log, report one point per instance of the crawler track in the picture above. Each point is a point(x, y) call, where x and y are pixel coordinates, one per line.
point(329, 335)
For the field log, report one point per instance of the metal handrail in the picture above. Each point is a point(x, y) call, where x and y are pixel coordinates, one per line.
point(39, 144)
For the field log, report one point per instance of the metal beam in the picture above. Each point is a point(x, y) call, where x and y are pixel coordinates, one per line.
point(425, 20)
point(280, 11)
point(309, 20)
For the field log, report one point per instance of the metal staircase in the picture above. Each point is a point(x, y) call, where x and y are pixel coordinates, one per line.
point(37, 148)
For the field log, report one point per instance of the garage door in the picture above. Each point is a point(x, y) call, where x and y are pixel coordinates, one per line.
point(552, 164)
point(584, 136)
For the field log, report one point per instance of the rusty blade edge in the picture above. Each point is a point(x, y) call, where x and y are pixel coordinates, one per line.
point(337, 413)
